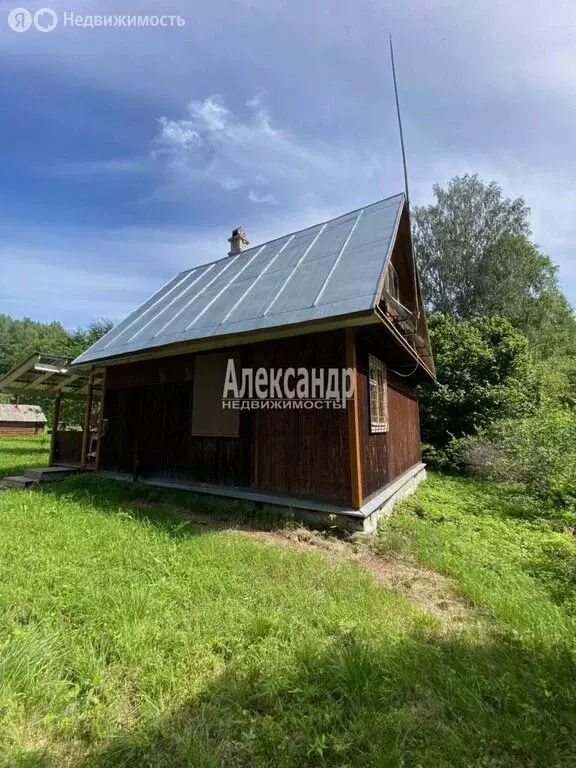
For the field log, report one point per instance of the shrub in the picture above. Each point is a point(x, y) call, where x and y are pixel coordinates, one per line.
point(485, 373)
point(481, 456)
point(539, 451)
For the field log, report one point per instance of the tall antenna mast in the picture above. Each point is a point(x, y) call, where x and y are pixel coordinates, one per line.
point(400, 124)
point(415, 269)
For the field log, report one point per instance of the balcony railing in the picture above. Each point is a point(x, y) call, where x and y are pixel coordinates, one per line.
point(405, 321)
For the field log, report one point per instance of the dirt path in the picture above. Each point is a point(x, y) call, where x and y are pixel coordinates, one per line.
point(431, 591)
point(428, 589)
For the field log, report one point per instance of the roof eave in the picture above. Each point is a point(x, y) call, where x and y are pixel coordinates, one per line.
point(53, 377)
point(365, 317)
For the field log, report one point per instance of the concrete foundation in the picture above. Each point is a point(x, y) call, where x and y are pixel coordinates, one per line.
point(382, 503)
point(315, 514)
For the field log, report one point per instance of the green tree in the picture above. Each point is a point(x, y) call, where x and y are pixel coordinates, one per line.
point(82, 338)
point(476, 259)
point(21, 338)
point(485, 373)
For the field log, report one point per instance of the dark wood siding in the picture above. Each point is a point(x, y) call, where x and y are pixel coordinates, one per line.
point(373, 448)
point(285, 452)
point(20, 429)
point(68, 447)
point(303, 452)
point(149, 429)
point(404, 431)
point(117, 452)
point(162, 371)
point(384, 457)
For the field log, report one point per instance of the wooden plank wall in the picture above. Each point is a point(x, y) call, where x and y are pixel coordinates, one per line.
point(20, 429)
point(68, 447)
point(385, 456)
point(373, 448)
point(403, 264)
point(302, 452)
point(149, 427)
point(159, 371)
point(403, 432)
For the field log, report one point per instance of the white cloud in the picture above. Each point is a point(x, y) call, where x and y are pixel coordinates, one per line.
point(249, 152)
point(257, 197)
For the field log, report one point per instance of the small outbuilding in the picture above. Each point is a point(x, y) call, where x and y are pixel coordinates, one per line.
point(21, 420)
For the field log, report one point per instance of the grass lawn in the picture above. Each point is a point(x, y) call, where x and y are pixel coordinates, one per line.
point(19, 453)
point(130, 636)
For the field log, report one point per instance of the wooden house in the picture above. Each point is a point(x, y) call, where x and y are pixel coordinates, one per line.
point(21, 420)
point(330, 317)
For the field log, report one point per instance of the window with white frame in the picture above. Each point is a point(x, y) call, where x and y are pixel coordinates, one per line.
point(378, 395)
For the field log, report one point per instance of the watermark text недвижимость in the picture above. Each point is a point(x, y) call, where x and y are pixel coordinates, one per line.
point(46, 20)
point(287, 388)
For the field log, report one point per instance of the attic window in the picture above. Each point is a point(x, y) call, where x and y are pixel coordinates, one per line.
point(378, 396)
point(393, 282)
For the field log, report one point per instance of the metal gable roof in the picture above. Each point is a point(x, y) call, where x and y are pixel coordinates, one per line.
point(326, 271)
point(21, 413)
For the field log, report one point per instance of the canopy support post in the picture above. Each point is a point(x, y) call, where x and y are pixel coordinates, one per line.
point(100, 420)
point(87, 420)
point(55, 420)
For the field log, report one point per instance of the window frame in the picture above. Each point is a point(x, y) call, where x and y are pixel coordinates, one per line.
point(377, 395)
point(393, 283)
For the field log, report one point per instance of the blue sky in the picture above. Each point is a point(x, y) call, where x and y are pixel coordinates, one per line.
point(129, 154)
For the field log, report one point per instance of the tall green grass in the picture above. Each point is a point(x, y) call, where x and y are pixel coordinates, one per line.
point(509, 552)
point(132, 637)
point(19, 453)
point(113, 619)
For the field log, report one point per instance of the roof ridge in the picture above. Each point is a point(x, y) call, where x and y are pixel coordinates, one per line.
point(296, 232)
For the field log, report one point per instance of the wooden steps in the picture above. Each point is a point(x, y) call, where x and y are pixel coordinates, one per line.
point(49, 474)
point(17, 482)
point(36, 476)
